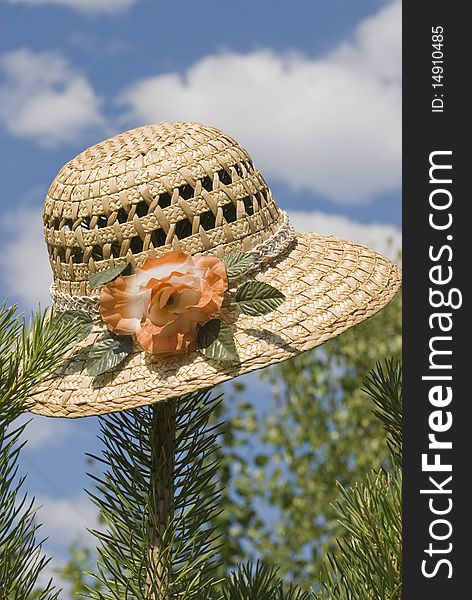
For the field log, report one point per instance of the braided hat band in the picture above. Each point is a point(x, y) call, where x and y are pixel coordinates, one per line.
point(263, 253)
point(188, 191)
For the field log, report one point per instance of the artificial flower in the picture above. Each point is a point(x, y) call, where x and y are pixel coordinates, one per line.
point(163, 303)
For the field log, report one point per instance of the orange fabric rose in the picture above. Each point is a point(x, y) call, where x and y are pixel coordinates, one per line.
point(165, 300)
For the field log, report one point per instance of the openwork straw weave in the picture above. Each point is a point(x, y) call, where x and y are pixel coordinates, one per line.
point(190, 187)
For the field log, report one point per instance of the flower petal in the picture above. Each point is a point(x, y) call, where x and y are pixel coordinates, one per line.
point(156, 341)
point(122, 304)
point(162, 267)
point(179, 292)
point(214, 264)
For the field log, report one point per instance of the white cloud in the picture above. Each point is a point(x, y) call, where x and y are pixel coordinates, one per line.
point(376, 42)
point(331, 125)
point(66, 520)
point(43, 432)
point(24, 263)
point(386, 239)
point(45, 99)
point(85, 6)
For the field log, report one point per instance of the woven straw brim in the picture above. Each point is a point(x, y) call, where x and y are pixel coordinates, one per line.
point(330, 285)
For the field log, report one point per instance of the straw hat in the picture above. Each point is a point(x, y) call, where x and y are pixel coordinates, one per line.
point(191, 189)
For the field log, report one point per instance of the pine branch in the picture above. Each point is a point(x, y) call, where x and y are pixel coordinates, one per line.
point(27, 355)
point(368, 564)
point(383, 385)
point(153, 538)
point(162, 498)
point(262, 582)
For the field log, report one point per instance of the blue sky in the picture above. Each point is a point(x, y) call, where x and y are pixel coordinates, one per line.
point(311, 88)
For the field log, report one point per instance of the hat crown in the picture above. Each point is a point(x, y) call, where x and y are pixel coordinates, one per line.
point(171, 186)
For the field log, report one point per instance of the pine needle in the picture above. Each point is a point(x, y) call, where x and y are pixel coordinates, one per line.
point(131, 508)
point(28, 352)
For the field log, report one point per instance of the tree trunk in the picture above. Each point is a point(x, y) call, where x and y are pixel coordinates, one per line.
point(162, 500)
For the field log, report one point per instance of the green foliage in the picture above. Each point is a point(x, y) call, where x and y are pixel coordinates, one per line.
point(284, 459)
point(215, 340)
point(21, 559)
point(383, 385)
point(259, 581)
point(258, 298)
point(368, 563)
point(103, 277)
point(164, 504)
point(82, 320)
point(108, 352)
point(237, 263)
point(74, 572)
point(157, 501)
point(27, 353)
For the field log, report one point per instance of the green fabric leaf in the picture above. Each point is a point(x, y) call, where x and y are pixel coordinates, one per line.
point(237, 264)
point(103, 277)
point(83, 320)
point(216, 341)
point(107, 352)
point(258, 298)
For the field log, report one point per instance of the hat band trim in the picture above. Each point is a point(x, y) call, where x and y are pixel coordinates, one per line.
point(264, 253)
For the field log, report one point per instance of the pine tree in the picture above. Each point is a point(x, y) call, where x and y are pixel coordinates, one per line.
point(28, 351)
point(159, 497)
point(368, 564)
